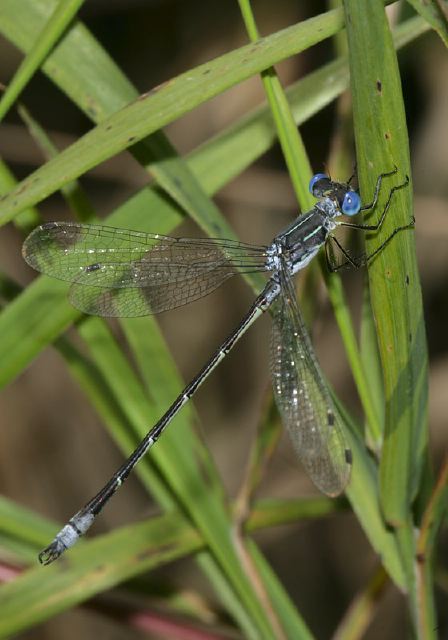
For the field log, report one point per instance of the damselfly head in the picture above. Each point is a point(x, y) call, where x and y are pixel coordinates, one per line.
point(348, 200)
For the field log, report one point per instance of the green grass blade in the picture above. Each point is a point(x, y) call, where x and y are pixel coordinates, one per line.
point(293, 626)
point(263, 446)
point(176, 456)
point(363, 494)
point(54, 28)
point(73, 193)
point(300, 174)
point(92, 568)
point(23, 525)
point(162, 382)
point(371, 361)
point(89, 378)
point(382, 143)
point(362, 380)
point(27, 219)
point(270, 512)
point(22, 531)
point(112, 410)
point(291, 142)
point(433, 518)
point(433, 14)
point(31, 322)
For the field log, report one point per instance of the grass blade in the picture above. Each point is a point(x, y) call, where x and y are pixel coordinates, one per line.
point(432, 520)
point(54, 28)
point(434, 15)
point(140, 544)
point(382, 143)
point(92, 568)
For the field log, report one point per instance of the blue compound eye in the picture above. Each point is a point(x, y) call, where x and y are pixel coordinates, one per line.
point(316, 178)
point(351, 203)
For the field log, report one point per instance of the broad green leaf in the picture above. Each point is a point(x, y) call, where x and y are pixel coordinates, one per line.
point(382, 144)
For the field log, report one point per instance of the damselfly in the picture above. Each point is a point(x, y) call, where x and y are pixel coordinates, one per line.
point(115, 272)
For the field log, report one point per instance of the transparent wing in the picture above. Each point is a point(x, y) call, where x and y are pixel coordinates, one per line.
point(123, 258)
point(303, 398)
point(142, 301)
point(117, 272)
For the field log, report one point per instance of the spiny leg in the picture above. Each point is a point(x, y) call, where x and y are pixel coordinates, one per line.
point(376, 193)
point(377, 226)
point(352, 177)
point(332, 265)
point(370, 256)
point(359, 261)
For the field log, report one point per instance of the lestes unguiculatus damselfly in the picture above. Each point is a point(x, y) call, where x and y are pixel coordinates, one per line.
point(121, 273)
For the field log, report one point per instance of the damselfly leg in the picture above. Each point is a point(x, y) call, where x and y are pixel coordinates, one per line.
point(361, 260)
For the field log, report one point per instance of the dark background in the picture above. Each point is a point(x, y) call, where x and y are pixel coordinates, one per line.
point(49, 433)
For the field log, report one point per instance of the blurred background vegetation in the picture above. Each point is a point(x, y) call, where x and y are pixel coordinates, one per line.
point(54, 453)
